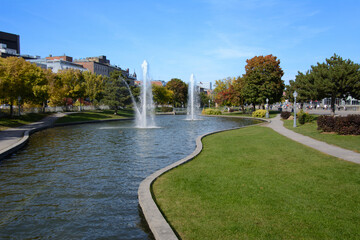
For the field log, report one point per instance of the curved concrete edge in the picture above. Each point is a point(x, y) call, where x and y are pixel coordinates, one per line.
point(15, 147)
point(158, 225)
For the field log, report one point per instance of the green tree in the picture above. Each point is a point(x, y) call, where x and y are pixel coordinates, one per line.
point(335, 78)
point(263, 80)
point(304, 86)
point(162, 95)
point(204, 99)
point(116, 94)
point(180, 90)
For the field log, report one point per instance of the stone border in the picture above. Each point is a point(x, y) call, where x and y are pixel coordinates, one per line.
point(158, 225)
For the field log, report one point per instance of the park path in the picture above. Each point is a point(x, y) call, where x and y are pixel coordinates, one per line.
point(13, 139)
point(332, 150)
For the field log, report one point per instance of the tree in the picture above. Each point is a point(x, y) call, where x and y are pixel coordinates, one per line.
point(116, 94)
point(263, 80)
point(239, 98)
point(73, 84)
point(19, 80)
point(335, 78)
point(304, 86)
point(94, 86)
point(162, 95)
point(40, 88)
point(224, 92)
point(204, 99)
point(180, 90)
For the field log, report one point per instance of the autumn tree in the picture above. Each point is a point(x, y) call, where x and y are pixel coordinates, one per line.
point(94, 86)
point(224, 92)
point(73, 84)
point(180, 90)
point(263, 80)
point(21, 80)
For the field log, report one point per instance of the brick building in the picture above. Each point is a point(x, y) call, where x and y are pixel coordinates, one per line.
point(101, 65)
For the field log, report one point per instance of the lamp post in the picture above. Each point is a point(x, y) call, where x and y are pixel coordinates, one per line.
point(209, 103)
point(267, 108)
point(19, 99)
point(295, 95)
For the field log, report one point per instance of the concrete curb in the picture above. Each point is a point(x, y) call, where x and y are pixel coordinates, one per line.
point(159, 227)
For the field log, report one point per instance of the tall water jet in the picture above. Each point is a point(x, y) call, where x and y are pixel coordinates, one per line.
point(137, 111)
point(145, 116)
point(192, 99)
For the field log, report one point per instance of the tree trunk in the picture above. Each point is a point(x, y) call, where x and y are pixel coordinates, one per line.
point(43, 107)
point(243, 108)
point(11, 109)
point(254, 107)
point(333, 106)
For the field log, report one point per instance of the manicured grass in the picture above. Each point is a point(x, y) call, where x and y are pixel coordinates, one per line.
point(16, 121)
point(254, 183)
point(310, 129)
point(96, 115)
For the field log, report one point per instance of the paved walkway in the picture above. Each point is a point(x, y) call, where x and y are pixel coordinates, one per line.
point(13, 139)
point(332, 150)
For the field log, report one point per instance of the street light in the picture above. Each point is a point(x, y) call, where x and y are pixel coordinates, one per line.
point(267, 108)
point(209, 103)
point(295, 95)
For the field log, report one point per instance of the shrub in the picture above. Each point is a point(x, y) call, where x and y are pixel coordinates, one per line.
point(304, 117)
point(231, 110)
point(210, 111)
point(285, 115)
point(349, 125)
point(326, 123)
point(259, 113)
point(166, 109)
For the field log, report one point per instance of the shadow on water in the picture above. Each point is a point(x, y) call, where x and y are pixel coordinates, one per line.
point(143, 225)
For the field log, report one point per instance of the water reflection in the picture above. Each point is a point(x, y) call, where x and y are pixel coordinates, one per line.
point(81, 181)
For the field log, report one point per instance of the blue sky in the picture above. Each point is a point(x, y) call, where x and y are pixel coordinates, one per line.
point(210, 38)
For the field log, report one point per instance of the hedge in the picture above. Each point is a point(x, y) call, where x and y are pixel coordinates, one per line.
point(349, 125)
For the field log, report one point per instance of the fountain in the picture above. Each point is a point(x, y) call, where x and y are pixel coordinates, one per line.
point(145, 115)
point(192, 99)
point(132, 97)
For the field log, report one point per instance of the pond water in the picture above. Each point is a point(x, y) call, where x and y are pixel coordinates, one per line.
point(81, 181)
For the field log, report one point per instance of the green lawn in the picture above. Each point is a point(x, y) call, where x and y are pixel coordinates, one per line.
point(254, 183)
point(96, 115)
point(310, 129)
point(16, 121)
